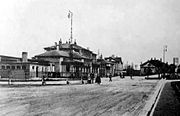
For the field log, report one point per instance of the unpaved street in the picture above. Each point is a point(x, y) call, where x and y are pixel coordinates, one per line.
point(120, 97)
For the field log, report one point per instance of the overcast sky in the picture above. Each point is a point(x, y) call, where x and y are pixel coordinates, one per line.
point(136, 30)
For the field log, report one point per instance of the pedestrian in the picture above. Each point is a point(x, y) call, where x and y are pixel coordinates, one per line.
point(82, 82)
point(98, 79)
point(131, 76)
point(131, 73)
point(120, 75)
point(88, 79)
point(67, 81)
point(43, 80)
point(110, 77)
point(92, 78)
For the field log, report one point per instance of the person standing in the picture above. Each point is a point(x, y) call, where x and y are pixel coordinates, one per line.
point(92, 78)
point(110, 77)
point(120, 75)
point(98, 79)
point(88, 79)
point(43, 80)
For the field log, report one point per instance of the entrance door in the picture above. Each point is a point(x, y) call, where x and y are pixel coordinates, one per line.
point(37, 71)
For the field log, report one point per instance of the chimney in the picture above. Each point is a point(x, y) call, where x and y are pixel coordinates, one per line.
point(56, 45)
point(60, 42)
point(24, 56)
point(75, 42)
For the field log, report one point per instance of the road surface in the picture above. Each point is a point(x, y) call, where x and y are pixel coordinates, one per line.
point(119, 97)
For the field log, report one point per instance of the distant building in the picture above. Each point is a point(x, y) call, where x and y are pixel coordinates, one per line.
point(105, 67)
point(116, 65)
point(23, 68)
point(70, 59)
point(152, 66)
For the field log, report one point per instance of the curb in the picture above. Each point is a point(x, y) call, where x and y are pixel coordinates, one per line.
point(152, 102)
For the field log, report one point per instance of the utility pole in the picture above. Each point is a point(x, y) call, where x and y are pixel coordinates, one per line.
point(164, 53)
point(70, 16)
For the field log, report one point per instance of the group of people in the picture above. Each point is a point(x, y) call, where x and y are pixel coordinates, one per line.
point(93, 76)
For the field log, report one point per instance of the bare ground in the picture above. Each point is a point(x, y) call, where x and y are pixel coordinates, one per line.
point(120, 97)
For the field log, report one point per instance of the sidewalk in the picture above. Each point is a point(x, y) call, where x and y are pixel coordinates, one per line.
point(169, 102)
point(149, 107)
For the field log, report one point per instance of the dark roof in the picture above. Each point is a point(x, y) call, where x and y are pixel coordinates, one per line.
point(50, 48)
point(102, 61)
point(53, 53)
point(16, 60)
point(114, 59)
point(77, 55)
point(67, 46)
point(56, 53)
point(10, 57)
point(156, 63)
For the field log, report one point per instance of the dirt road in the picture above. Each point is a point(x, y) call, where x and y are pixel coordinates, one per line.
point(119, 97)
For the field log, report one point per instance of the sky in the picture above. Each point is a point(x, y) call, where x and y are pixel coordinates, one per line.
point(135, 30)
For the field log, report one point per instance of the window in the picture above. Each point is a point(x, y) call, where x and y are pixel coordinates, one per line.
point(67, 68)
point(3, 67)
point(18, 67)
point(33, 67)
point(13, 67)
point(7, 67)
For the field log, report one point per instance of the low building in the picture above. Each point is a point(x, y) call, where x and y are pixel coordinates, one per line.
point(116, 65)
point(70, 59)
point(152, 66)
point(23, 68)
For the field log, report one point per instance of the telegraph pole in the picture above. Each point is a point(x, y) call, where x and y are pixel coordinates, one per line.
point(164, 53)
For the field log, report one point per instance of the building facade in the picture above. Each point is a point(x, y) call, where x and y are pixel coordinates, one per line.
point(116, 65)
point(23, 68)
point(70, 59)
point(153, 66)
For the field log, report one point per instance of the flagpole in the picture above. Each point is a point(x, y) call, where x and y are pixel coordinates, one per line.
point(71, 26)
point(71, 16)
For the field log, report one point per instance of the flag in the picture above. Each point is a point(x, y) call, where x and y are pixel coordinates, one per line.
point(69, 14)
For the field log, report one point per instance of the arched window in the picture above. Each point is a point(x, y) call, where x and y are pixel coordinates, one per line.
point(13, 67)
point(18, 67)
point(7, 67)
point(3, 67)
